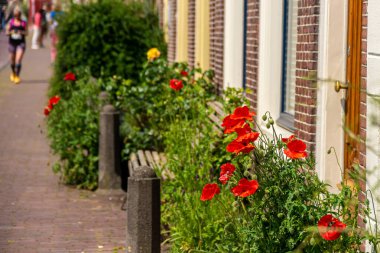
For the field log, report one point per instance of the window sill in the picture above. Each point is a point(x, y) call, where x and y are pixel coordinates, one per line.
point(286, 121)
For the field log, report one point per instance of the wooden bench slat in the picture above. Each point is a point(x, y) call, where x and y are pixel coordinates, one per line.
point(134, 160)
point(157, 159)
point(150, 160)
point(163, 158)
point(130, 169)
point(142, 159)
point(218, 108)
point(215, 119)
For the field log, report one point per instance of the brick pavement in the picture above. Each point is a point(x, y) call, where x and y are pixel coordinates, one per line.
point(37, 214)
point(3, 50)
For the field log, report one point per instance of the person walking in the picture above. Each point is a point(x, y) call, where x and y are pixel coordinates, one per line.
point(54, 14)
point(44, 23)
point(17, 31)
point(37, 27)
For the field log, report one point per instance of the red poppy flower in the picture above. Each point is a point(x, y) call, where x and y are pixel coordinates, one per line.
point(246, 129)
point(295, 149)
point(245, 188)
point(286, 140)
point(230, 125)
point(242, 113)
point(247, 138)
point(54, 100)
point(330, 227)
point(226, 171)
point(47, 110)
point(70, 77)
point(238, 147)
point(184, 73)
point(209, 191)
point(176, 84)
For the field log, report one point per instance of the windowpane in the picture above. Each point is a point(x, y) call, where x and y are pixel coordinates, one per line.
point(289, 77)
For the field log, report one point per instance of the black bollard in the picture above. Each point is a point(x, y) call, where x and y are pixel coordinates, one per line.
point(109, 148)
point(143, 211)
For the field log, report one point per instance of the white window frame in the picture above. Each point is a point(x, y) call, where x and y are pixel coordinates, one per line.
point(270, 62)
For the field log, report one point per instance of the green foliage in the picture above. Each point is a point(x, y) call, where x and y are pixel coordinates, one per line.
point(191, 146)
point(281, 216)
point(151, 105)
point(108, 37)
point(73, 132)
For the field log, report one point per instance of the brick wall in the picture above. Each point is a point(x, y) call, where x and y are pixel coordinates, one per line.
point(191, 33)
point(216, 41)
point(363, 107)
point(363, 95)
point(252, 50)
point(160, 10)
point(172, 30)
point(306, 64)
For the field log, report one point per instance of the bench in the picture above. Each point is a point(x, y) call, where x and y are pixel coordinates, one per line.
point(157, 160)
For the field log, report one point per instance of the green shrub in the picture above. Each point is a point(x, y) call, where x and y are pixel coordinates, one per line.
point(150, 106)
point(108, 37)
point(73, 132)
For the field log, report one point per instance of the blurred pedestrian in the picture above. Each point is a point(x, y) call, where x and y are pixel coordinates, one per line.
point(37, 21)
point(17, 31)
point(44, 23)
point(53, 21)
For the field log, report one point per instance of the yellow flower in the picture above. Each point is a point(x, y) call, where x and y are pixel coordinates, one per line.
point(153, 54)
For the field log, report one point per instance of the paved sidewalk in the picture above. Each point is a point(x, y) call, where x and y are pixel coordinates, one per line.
point(37, 214)
point(3, 50)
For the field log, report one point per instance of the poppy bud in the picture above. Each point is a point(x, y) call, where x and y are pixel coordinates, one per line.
point(271, 121)
point(254, 176)
point(312, 241)
point(280, 215)
point(264, 117)
point(329, 151)
point(268, 125)
point(246, 173)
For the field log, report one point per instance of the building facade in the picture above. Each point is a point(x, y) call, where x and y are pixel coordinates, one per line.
point(311, 63)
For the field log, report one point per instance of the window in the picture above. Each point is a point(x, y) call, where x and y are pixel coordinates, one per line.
point(233, 43)
point(289, 64)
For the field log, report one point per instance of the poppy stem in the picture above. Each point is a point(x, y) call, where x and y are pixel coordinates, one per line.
point(230, 214)
point(242, 204)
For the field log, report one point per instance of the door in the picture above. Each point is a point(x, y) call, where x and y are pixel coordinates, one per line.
point(353, 80)
point(338, 110)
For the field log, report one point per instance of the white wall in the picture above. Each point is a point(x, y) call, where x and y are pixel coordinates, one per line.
point(330, 110)
point(373, 87)
point(233, 43)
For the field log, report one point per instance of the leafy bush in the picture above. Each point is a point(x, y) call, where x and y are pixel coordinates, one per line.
point(73, 131)
point(151, 105)
point(108, 37)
